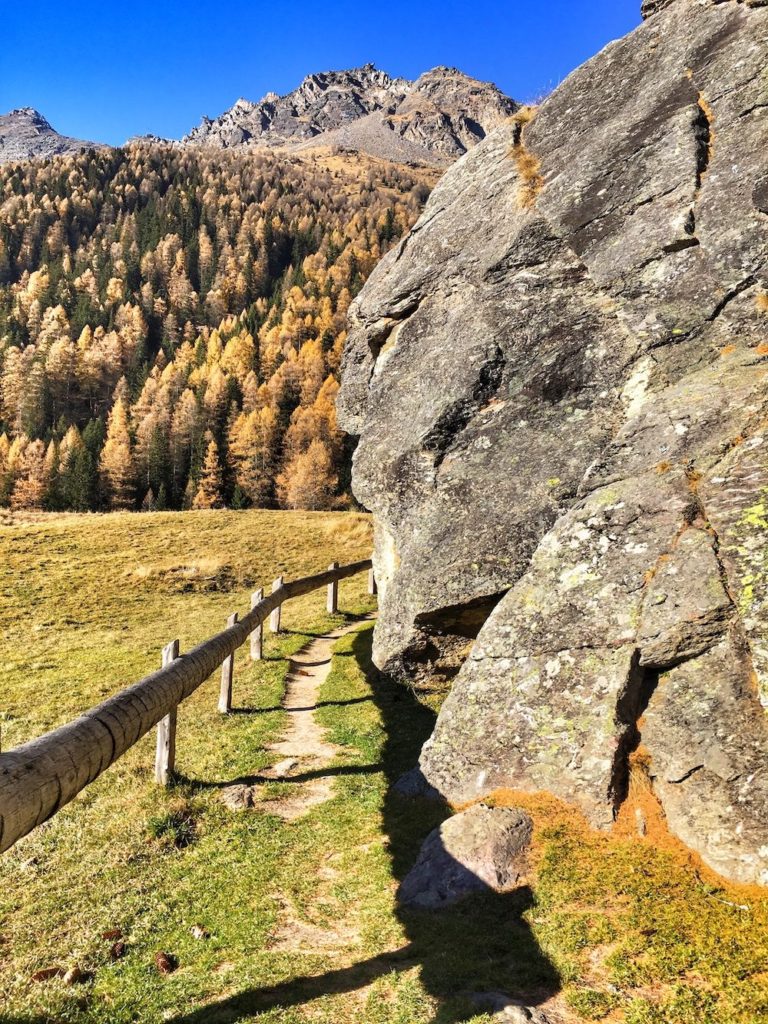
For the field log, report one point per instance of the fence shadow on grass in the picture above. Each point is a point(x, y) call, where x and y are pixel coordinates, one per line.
point(481, 945)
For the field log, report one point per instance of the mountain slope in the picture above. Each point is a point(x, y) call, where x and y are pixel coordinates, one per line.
point(435, 119)
point(25, 134)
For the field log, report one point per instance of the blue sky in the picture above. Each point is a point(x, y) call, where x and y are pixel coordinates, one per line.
point(107, 71)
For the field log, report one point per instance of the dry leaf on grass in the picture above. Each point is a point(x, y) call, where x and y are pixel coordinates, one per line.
point(46, 973)
point(166, 963)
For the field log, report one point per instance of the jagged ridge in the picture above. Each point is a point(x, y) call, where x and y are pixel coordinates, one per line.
point(436, 119)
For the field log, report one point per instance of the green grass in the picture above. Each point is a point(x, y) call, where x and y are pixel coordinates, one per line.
point(301, 917)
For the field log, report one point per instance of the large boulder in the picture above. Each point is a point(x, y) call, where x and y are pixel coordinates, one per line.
point(560, 383)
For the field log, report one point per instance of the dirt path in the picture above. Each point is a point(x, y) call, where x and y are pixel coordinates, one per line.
point(304, 748)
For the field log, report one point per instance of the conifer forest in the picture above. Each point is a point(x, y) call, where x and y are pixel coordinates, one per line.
point(172, 322)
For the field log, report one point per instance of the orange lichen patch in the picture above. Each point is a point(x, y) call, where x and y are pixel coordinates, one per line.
point(641, 815)
point(726, 350)
point(663, 467)
point(546, 810)
point(650, 574)
point(549, 812)
point(707, 110)
point(693, 476)
point(641, 819)
point(762, 348)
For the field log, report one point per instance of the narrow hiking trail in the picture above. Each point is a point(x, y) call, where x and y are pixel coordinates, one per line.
point(304, 748)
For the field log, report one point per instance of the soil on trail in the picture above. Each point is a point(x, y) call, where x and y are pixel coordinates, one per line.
point(304, 750)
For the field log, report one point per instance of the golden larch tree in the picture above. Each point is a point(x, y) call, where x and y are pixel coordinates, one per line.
point(209, 491)
point(31, 486)
point(308, 481)
point(116, 466)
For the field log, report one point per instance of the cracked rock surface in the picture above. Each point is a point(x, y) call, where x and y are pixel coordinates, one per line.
point(561, 394)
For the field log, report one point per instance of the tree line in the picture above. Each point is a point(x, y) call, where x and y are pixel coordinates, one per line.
point(172, 323)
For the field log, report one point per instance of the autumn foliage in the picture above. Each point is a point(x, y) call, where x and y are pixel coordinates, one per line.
point(172, 322)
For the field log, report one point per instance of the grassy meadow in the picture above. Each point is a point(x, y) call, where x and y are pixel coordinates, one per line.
point(293, 922)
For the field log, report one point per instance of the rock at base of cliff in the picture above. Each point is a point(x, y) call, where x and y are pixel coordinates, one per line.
point(480, 850)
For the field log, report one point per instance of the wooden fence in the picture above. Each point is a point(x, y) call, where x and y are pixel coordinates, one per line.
point(38, 778)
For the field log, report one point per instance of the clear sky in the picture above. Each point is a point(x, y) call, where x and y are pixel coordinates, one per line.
point(106, 71)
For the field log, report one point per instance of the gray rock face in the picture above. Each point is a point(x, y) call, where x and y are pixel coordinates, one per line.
point(435, 119)
point(481, 849)
point(25, 134)
point(560, 383)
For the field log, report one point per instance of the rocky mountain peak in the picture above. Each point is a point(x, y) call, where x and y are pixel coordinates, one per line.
point(434, 119)
point(25, 133)
point(29, 115)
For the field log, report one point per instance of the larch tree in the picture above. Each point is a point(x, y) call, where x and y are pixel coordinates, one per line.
point(308, 481)
point(31, 484)
point(210, 488)
point(252, 448)
point(5, 476)
point(116, 466)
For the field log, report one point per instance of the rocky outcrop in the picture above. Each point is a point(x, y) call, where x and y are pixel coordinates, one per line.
point(435, 119)
point(25, 134)
point(650, 7)
point(560, 383)
point(483, 849)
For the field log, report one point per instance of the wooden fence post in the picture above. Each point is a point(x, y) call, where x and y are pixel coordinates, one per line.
point(332, 603)
point(165, 753)
point(372, 587)
point(227, 671)
point(257, 636)
point(274, 618)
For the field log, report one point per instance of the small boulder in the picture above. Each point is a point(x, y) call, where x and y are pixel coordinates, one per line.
point(506, 1009)
point(482, 849)
point(237, 797)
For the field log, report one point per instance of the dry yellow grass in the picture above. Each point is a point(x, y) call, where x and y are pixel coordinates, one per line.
point(527, 164)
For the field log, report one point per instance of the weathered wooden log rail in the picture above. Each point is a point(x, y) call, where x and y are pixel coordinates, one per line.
point(39, 777)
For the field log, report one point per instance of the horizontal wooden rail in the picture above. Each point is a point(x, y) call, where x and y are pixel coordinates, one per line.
point(38, 778)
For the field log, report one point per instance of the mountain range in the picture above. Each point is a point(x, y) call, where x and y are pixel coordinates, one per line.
point(432, 120)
